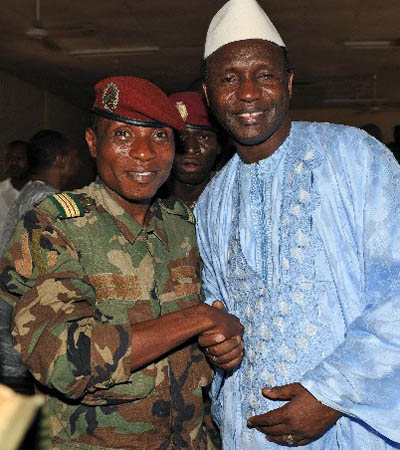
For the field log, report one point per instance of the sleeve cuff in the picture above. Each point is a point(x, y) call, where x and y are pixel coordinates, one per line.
point(111, 354)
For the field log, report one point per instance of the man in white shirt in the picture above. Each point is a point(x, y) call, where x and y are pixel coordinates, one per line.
point(17, 173)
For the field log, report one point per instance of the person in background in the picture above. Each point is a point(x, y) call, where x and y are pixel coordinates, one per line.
point(374, 130)
point(197, 149)
point(197, 152)
point(299, 236)
point(395, 144)
point(16, 170)
point(105, 287)
point(54, 165)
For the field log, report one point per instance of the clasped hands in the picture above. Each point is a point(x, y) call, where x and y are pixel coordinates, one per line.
point(224, 346)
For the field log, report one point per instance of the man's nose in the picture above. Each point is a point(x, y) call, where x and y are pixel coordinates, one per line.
point(249, 90)
point(192, 145)
point(142, 149)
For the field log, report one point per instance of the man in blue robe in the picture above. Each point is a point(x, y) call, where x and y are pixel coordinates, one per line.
point(300, 238)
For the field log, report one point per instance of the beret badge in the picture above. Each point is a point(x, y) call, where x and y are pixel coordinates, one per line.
point(110, 97)
point(182, 110)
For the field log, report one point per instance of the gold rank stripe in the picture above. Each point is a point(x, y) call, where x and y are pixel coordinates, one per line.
point(68, 205)
point(70, 209)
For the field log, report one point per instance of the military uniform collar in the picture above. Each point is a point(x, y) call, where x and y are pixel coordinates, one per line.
point(127, 225)
point(177, 207)
point(162, 207)
point(156, 225)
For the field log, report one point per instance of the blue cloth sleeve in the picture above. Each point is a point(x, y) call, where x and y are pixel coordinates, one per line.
point(204, 228)
point(361, 378)
point(212, 292)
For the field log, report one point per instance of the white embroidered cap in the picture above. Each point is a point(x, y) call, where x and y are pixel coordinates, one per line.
point(239, 20)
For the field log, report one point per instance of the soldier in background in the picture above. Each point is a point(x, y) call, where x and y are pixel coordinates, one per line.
point(105, 286)
point(197, 149)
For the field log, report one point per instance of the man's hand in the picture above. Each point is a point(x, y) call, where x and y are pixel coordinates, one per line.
point(226, 354)
point(300, 421)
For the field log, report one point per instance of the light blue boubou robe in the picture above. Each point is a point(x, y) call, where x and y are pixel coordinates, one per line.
point(304, 247)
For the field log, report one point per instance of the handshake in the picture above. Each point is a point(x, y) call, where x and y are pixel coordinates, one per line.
point(222, 343)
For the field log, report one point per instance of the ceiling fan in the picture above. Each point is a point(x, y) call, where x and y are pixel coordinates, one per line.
point(44, 35)
point(38, 32)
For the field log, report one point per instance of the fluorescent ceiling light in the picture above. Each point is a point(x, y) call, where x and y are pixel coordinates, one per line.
point(372, 44)
point(115, 51)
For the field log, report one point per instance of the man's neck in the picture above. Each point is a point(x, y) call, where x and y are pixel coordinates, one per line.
point(18, 182)
point(51, 177)
point(138, 210)
point(188, 193)
point(254, 153)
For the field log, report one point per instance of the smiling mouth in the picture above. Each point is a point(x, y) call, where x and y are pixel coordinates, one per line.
point(250, 117)
point(142, 177)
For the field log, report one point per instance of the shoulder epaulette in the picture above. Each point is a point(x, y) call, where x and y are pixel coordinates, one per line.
point(177, 207)
point(71, 205)
point(190, 215)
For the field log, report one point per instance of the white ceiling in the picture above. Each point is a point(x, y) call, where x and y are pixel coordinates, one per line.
point(326, 72)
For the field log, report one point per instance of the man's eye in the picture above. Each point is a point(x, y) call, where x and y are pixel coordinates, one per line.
point(265, 75)
point(229, 79)
point(203, 137)
point(161, 134)
point(121, 133)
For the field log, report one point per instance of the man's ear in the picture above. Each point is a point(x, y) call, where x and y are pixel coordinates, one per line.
point(61, 161)
point(290, 83)
point(204, 86)
point(90, 137)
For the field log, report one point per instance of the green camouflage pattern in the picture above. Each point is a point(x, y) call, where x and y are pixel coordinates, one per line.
point(76, 286)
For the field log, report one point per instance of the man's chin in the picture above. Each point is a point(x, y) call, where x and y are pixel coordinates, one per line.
point(251, 140)
point(192, 179)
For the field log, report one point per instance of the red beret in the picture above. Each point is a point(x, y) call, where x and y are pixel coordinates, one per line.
point(193, 109)
point(135, 101)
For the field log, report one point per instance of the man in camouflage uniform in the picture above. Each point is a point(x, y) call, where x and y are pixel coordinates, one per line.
point(105, 286)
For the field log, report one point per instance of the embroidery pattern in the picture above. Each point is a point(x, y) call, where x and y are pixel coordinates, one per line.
point(278, 311)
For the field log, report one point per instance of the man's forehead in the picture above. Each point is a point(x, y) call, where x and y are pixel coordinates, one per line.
point(246, 51)
point(17, 151)
point(110, 124)
point(198, 131)
point(18, 146)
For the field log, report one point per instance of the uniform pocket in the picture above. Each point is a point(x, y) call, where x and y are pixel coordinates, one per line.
point(186, 280)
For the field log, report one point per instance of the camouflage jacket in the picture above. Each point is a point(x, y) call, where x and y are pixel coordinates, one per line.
point(79, 271)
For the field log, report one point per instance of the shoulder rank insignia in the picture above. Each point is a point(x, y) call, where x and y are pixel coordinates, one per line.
point(191, 217)
point(68, 205)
